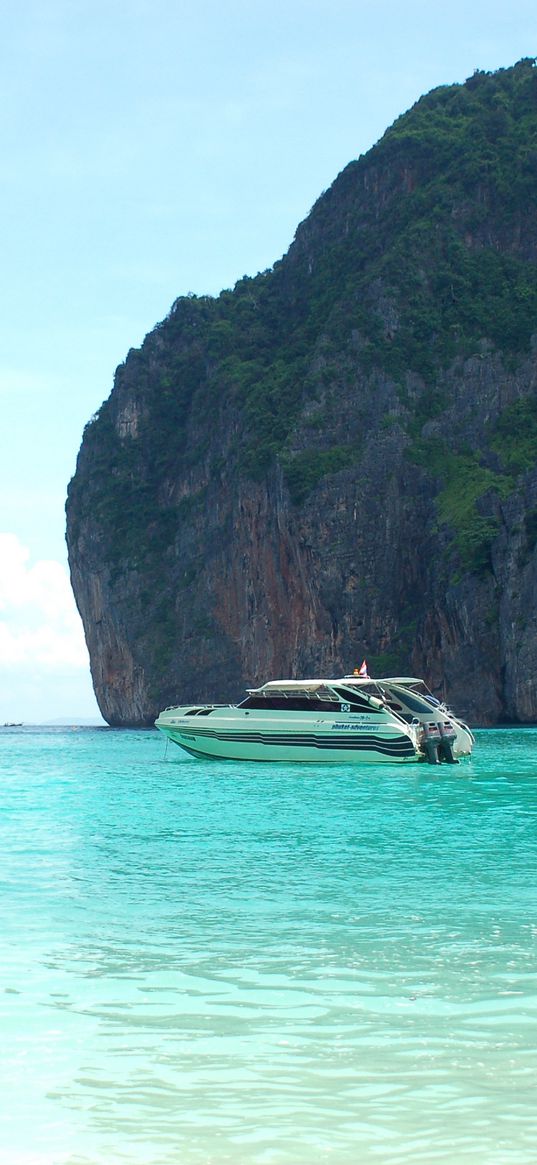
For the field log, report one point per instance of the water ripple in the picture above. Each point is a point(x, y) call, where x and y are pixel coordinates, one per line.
point(266, 966)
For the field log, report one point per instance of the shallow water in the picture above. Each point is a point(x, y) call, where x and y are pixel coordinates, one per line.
point(206, 963)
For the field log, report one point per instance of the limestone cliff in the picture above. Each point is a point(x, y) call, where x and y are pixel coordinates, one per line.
point(337, 459)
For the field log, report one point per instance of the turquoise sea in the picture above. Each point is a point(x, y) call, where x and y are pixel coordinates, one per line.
point(206, 963)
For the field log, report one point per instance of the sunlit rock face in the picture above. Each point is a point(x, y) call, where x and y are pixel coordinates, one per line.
point(337, 458)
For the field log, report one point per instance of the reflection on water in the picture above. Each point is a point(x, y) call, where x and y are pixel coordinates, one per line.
point(204, 963)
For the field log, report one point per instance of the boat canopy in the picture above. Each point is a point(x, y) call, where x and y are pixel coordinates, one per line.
point(328, 690)
point(290, 687)
point(381, 680)
point(310, 687)
point(295, 686)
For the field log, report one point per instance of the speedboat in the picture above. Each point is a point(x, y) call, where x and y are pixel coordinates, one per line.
point(354, 720)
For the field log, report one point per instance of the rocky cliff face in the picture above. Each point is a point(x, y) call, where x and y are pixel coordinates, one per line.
point(337, 458)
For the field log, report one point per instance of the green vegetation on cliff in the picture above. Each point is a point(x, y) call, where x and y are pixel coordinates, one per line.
point(444, 266)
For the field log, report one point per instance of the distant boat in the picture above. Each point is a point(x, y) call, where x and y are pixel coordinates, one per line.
point(11, 724)
point(354, 720)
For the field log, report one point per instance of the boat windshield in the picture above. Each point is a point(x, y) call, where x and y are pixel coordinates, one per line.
point(414, 701)
point(358, 698)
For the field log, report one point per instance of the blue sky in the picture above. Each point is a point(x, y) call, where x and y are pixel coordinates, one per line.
point(149, 149)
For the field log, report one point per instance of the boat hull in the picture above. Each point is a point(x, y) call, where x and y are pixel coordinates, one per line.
point(303, 744)
point(351, 720)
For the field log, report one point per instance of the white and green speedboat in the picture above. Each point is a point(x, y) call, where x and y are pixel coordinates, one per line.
point(353, 720)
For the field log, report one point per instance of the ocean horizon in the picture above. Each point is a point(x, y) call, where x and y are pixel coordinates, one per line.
point(214, 962)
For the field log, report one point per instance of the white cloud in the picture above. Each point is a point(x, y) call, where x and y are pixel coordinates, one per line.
point(40, 628)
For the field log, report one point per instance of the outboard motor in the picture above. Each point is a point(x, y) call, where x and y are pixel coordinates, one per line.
point(430, 742)
point(448, 737)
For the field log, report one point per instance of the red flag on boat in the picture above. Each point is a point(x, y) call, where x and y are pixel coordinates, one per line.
point(362, 671)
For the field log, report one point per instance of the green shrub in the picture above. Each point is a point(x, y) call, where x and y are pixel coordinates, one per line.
point(464, 480)
point(304, 471)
